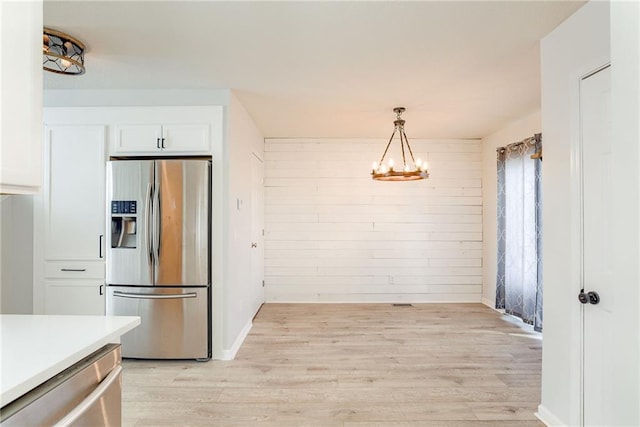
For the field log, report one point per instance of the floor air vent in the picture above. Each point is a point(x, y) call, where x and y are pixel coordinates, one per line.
point(402, 305)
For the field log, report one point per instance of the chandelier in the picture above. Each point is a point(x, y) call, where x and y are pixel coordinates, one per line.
point(412, 169)
point(62, 53)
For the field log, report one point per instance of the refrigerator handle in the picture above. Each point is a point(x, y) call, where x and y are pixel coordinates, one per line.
point(149, 215)
point(154, 296)
point(157, 222)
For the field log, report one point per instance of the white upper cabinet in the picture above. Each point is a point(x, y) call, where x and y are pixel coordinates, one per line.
point(186, 138)
point(162, 139)
point(136, 138)
point(151, 131)
point(74, 197)
point(21, 89)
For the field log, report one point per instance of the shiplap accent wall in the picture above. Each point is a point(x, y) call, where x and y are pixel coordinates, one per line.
point(334, 234)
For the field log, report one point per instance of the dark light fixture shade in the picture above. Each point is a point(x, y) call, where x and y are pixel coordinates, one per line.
point(412, 169)
point(62, 53)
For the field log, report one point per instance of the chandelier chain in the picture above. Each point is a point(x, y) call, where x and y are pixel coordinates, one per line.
point(388, 145)
point(408, 146)
point(404, 160)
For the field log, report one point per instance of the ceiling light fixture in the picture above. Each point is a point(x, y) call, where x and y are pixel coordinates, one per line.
point(62, 53)
point(412, 169)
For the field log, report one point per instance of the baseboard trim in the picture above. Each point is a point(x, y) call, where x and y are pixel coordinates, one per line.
point(547, 417)
point(488, 303)
point(365, 301)
point(230, 354)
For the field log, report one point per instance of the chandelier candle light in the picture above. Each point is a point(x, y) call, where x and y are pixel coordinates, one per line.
point(62, 53)
point(412, 169)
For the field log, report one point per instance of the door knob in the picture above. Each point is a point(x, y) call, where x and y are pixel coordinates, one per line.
point(254, 245)
point(590, 297)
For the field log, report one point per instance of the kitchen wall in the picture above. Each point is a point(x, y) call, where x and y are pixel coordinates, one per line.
point(242, 297)
point(514, 132)
point(624, 374)
point(16, 254)
point(334, 234)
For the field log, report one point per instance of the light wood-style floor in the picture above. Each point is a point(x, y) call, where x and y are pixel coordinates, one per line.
point(351, 365)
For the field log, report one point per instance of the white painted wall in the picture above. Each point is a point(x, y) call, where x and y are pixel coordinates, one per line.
point(577, 46)
point(334, 234)
point(624, 374)
point(16, 254)
point(141, 98)
point(241, 297)
point(516, 131)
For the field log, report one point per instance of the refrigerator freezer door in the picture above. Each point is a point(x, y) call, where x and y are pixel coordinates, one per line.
point(181, 223)
point(174, 321)
point(129, 230)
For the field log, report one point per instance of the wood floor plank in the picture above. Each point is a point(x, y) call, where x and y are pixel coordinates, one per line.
point(443, 365)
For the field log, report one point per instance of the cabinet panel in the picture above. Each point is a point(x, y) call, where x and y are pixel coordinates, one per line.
point(77, 297)
point(137, 138)
point(74, 269)
point(74, 192)
point(192, 138)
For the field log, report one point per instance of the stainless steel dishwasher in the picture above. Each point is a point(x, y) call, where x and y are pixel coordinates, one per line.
point(86, 394)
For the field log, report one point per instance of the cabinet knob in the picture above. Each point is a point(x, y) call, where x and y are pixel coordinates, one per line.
point(254, 245)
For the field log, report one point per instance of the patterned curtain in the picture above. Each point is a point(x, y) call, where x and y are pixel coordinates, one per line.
point(519, 275)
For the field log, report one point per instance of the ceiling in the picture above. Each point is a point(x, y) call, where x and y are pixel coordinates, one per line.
point(325, 69)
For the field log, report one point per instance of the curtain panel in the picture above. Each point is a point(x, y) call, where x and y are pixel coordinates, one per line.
point(519, 266)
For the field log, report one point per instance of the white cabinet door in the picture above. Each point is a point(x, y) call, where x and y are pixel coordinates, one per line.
point(137, 138)
point(75, 297)
point(21, 88)
point(167, 139)
point(187, 138)
point(74, 192)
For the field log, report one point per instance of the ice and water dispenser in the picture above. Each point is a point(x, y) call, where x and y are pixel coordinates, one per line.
point(123, 224)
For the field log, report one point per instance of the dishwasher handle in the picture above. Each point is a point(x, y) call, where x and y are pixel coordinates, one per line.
point(154, 296)
point(95, 395)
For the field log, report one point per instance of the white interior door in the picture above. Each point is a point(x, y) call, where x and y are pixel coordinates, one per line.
point(597, 248)
point(257, 226)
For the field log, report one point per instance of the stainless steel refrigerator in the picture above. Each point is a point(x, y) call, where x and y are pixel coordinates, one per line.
point(158, 255)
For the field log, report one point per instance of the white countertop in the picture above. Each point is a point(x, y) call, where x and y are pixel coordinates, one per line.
point(35, 348)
